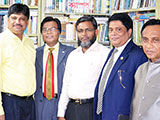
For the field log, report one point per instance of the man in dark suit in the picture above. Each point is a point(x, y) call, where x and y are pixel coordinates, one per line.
point(114, 89)
point(46, 109)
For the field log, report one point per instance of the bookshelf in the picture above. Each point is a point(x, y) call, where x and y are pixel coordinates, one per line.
point(68, 11)
point(139, 10)
point(32, 29)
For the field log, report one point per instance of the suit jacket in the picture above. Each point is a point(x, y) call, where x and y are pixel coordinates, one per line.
point(47, 110)
point(146, 100)
point(116, 99)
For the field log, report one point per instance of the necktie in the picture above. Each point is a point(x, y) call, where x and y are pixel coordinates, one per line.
point(49, 76)
point(103, 81)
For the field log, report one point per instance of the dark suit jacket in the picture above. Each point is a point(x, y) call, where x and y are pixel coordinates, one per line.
point(117, 100)
point(47, 110)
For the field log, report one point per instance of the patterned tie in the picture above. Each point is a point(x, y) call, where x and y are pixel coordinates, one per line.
point(49, 76)
point(103, 81)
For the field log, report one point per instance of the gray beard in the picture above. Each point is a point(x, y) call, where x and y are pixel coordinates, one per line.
point(86, 44)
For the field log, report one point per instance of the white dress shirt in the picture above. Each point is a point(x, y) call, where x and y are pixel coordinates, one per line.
point(81, 74)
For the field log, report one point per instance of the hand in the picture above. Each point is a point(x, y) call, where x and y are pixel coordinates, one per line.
point(61, 118)
point(2, 117)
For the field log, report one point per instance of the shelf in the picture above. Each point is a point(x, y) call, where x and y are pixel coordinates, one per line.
point(32, 35)
point(68, 41)
point(4, 6)
point(106, 43)
point(134, 10)
point(7, 6)
point(68, 14)
point(33, 7)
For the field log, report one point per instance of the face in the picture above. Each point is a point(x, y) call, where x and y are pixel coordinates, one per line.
point(118, 34)
point(151, 42)
point(50, 33)
point(17, 24)
point(86, 34)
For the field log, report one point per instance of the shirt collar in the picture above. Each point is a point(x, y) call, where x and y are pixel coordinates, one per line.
point(9, 32)
point(55, 47)
point(156, 62)
point(91, 48)
point(123, 46)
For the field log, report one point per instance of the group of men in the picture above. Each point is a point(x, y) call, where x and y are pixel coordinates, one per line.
point(90, 82)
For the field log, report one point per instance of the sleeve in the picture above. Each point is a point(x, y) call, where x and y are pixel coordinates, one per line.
point(64, 98)
point(1, 60)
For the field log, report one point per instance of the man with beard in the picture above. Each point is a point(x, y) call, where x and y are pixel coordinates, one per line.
point(81, 74)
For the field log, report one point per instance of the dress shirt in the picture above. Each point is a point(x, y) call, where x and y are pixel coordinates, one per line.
point(17, 65)
point(116, 56)
point(81, 74)
point(55, 56)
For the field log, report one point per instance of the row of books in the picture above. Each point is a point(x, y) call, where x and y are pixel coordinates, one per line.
point(3, 26)
point(139, 18)
point(78, 6)
point(69, 35)
point(32, 27)
point(35, 40)
point(27, 2)
point(132, 4)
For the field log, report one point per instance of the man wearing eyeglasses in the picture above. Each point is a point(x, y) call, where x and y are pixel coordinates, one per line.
point(81, 74)
point(114, 89)
point(46, 108)
point(146, 97)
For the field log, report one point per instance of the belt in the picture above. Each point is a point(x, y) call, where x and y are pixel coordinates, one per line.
point(55, 95)
point(22, 97)
point(82, 101)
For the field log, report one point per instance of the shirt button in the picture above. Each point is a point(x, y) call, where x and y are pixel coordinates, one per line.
point(147, 81)
point(139, 114)
point(40, 100)
point(153, 86)
point(143, 98)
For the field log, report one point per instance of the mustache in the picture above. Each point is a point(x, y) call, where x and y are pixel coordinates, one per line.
point(87, 44)
point(18, 25)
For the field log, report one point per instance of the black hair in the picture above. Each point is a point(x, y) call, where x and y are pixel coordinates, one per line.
point(150, 22)
point(49, 19)
point(18, 8)
point(87, 18)
point(124, 18)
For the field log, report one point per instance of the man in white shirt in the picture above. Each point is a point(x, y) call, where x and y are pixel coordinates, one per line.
point(81, 74)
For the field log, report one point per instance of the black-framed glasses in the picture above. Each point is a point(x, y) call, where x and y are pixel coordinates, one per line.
point(52, 29)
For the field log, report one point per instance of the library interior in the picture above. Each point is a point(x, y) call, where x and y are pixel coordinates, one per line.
point(68, 11)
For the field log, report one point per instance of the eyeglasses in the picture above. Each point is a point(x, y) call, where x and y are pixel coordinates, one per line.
point(52, 29)
point(120, 77)
point(88, 30)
